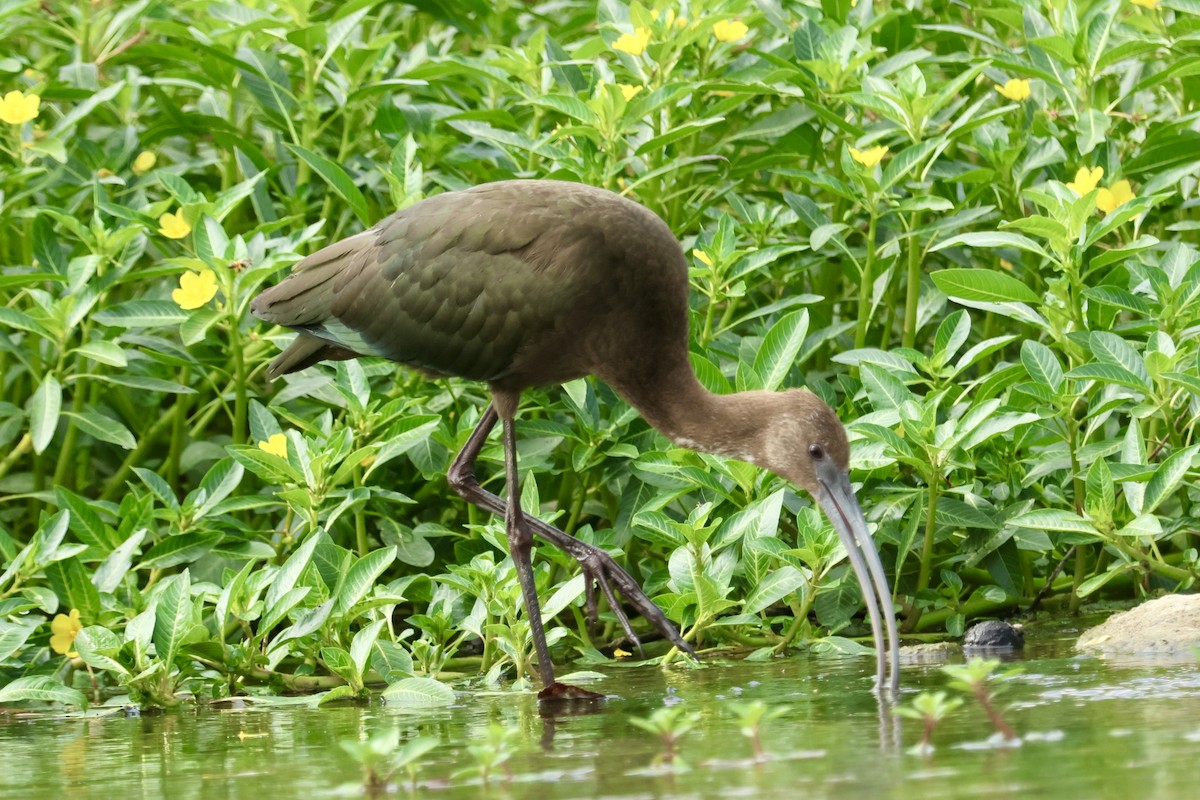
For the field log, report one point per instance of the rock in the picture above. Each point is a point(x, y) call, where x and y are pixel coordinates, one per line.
point(1167, 627)
point(994, 635)
point(934, 653)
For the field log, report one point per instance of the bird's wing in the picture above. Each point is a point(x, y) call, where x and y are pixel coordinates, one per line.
point(454, 285)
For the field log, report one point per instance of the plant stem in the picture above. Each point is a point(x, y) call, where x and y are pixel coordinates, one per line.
point(865, 285)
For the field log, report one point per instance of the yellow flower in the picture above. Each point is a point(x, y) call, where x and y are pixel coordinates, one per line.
point(730, 30)
point(1151, 4)
point(1016, 89)
point(633, 43)
point(628, 91)
point(173, 226)
point(195, 289)
point(702, 257)
point(868, 158)
point(144, 162)
point(1086, 180)
point(619, 653)
point(63, 629)
point(16, 107)
point(276, 445)
point(1109, 200)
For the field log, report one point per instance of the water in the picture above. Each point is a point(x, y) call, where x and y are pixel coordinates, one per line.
point(1089, 729)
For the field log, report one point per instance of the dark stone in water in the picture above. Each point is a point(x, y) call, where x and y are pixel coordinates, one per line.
point(994, 635)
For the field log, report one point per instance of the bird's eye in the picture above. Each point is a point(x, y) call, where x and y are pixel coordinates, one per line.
point(816, 451)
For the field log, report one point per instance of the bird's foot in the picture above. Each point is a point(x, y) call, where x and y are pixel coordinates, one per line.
point(603, 571)
point(564, 693)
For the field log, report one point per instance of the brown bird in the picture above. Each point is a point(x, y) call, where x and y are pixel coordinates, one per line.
point(534, 283)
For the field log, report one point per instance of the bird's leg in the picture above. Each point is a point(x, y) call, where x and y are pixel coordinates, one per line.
point(520, 543)
point(598, 566)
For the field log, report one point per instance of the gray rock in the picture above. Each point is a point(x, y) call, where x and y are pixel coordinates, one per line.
point(994, 634)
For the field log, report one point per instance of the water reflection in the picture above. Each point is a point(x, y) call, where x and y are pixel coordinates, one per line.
point(1088, 728)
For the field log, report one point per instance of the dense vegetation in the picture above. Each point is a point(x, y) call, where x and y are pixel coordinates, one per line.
point(972, 229)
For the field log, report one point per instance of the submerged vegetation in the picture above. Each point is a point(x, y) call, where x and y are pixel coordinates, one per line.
point(971, 230)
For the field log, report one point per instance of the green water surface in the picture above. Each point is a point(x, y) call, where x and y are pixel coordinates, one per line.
point(1089, 728)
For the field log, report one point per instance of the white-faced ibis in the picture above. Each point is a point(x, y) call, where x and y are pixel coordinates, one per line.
point(534, 283)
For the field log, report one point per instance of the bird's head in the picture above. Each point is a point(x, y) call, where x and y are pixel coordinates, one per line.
point(807, 442)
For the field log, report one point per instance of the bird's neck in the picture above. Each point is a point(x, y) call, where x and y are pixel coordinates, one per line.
point(680, 408)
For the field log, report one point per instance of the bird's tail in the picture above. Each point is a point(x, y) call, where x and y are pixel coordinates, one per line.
point(304, 298)
point(303, 352)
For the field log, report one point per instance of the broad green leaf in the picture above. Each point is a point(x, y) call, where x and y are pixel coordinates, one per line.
point(391, 660)
point(44, 408)
point(418, 693)
point(115, 566)
point(1054, 519)
point(1042, 365)
point(362, 576)
point(141, 314)
point(97, 646)
point(44, 688)
point(991, 240)
point(172, 616)
point(292, 569)
point(179, 549)
point(71, 582)
point(777, 585)
point(338, 180)
point(361, 645)
point(101, 427)
point(13, 637)
point(1091, 130)
point(1167, 477)
point(780, 347)
point(983, 285)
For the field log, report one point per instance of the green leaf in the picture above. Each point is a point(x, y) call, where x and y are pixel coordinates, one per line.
point(340, 664)
point(70, 581)
point(1042, 365)
point(1108, 373)
point(179, 549)
point(44, 408)
point(983, 285)
point(1054, 519)
point(97, 646)
point(14, 636)
point(418, 693)
point(780, 348)
point(884, 389)
point(1091, 130)
point(292, 569)
point(41, 687)
point(363, 642)
point(101, 427)
point(362, 576)
point(777, 585)
point(991, 240)
point(172, 616)
point(391, 660)
point(338, 180)
point(141, 314)
point(1167, 477)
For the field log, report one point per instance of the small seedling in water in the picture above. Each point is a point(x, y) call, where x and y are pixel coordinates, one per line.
point(668, 724)
point(973, 678)
point(751, 716)
point(381, 755)
point(494, 751)
point(931, 708)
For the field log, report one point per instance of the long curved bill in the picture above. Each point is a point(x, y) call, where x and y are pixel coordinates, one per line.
point(837, 499)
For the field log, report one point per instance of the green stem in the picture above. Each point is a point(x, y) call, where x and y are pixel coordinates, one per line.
point(914, 614)
point(149, 439)
point(913, 294)
point(864, 288)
